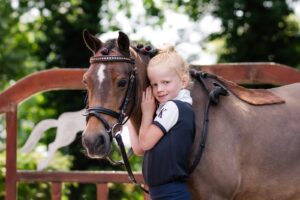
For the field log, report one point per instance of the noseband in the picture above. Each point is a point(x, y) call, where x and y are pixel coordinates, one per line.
point(123, 115)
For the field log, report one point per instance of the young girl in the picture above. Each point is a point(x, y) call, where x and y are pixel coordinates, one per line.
point(166, 140)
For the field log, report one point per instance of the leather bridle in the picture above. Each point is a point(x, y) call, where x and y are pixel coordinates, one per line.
point(122, 116)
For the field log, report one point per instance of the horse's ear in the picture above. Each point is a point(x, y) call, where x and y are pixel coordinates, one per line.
point(123, 42)
point(92, 42)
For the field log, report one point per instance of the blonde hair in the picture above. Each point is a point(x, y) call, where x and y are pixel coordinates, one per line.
point(170, 57)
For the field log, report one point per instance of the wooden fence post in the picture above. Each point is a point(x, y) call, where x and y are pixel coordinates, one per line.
point(102, 191)
point(11, 154)
point(56, 190)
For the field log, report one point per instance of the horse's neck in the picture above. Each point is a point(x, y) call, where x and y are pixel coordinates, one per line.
point(141, 62)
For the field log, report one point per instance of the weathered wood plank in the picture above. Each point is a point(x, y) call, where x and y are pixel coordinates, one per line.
point(102, 191)
point(46, 80)
point(254, 73)
point(11, 154)
point(77, 176)
point(56, 191)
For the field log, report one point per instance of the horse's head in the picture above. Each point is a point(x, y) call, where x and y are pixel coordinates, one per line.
point(111, 82)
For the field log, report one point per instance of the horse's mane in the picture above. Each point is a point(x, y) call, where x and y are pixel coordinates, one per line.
point(251, 96)
point(145, 49)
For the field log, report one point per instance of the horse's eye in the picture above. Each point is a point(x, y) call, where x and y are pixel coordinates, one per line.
point(121, 83)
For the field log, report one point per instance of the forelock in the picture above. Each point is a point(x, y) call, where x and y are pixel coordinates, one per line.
point(109, 44)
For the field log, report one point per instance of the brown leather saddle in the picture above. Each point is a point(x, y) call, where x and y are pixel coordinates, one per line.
point(252, 96)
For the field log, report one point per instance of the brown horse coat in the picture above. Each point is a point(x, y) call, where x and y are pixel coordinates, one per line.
point(252, 152)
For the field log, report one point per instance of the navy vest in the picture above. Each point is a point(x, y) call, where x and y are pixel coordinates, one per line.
point(167, 161)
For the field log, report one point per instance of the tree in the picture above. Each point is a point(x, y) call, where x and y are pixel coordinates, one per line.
point(258, 31)
point(54, 40)
point(253, 30)
point(16, 59)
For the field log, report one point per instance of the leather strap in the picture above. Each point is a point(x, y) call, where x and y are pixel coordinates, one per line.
point(213, 98)
point(119, 140)
point(96, 59)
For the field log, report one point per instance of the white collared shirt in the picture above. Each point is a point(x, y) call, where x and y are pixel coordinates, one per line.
point(167, 113)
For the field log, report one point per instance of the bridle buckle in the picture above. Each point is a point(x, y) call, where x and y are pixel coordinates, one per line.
point(116, 129)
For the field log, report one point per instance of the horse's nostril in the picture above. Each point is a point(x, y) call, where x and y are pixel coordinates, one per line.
point(85, 142)
point(101, 140)
point(94, 143)
point(97, 145)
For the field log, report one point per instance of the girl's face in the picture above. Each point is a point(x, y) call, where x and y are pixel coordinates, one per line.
point(165, 82)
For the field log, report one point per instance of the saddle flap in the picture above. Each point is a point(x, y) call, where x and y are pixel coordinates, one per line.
point(252, 96)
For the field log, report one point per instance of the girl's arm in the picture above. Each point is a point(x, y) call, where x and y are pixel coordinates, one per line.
point(149, 134)
point(134, 140)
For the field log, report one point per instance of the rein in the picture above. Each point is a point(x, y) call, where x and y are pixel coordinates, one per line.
point(213, 98)
point(121, 116)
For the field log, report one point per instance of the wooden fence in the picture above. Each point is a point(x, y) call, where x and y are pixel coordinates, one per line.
point(70, 79)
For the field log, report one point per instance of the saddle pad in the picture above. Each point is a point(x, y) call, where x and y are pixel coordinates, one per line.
point(252, 96)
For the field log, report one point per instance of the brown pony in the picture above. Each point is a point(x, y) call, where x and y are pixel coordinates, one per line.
point(252, 152)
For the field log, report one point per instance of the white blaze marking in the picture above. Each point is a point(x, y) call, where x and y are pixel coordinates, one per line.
point(100, 74)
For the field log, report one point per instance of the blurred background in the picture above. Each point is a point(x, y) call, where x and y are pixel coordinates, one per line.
point(42, 34)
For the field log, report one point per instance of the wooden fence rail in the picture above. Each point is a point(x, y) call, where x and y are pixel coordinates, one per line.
point(70, 79)
point(100, 178)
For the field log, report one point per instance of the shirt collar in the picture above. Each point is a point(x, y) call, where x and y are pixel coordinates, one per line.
point(183, 95)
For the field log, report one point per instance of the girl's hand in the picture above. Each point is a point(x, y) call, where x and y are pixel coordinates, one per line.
point(149, 134)
point(148, 104)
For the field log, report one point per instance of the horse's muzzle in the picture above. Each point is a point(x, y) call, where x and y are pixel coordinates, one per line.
point(96, 145)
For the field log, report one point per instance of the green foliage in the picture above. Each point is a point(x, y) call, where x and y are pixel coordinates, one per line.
point(30, 113)
point(17, 45)
point(252, 30)
point(152, 9)
point(28, 162)
point(193, 8)
point(257, 31)
point(130, 192)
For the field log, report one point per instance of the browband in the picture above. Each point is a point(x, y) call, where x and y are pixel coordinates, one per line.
point(96, 59)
